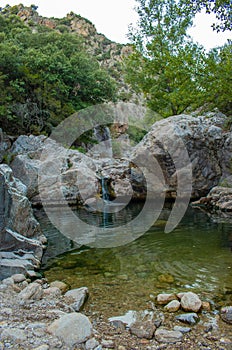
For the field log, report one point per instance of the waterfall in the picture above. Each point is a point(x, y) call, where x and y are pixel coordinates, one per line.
point(105, 195)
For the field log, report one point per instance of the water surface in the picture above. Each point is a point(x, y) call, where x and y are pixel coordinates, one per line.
point(196, 256)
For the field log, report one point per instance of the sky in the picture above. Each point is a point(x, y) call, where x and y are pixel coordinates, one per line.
point(112, 18)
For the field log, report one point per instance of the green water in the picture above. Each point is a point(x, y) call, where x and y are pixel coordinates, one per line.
point(195, 256)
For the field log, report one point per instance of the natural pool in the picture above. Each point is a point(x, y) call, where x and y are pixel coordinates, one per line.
point(195, 256)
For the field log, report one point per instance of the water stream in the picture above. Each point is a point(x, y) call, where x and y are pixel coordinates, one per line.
point(195, 256)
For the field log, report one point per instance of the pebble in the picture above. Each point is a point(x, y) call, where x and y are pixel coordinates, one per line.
point(144, 329)
point(190, 318)
point(61, 285)
point(91, 344)
point(163, 335)
point(191, 302)
point(42, 347)
point(182, 329)
point(172, 306)
point(164, 298)
point(107, 344)
point(79, 295)
point(226, 314)
point(13, 334)
point(33, 292)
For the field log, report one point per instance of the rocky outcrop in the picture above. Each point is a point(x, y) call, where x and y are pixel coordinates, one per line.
point(208, 144)
point(21, 240)
point(219, 198)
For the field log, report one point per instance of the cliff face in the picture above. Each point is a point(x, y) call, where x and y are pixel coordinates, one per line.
point(108, 53)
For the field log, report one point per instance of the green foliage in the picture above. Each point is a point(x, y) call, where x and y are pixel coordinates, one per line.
point(221, 8)
point(45, 76)
point(173, 73)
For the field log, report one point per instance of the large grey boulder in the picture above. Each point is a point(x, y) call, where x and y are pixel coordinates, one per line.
point(208, 144)
point(21, 239)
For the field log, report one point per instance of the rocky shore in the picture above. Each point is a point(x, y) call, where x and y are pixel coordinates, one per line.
point(36, 315)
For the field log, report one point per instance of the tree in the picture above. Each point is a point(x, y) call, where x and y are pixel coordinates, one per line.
point(221, 8)
point(166, 65)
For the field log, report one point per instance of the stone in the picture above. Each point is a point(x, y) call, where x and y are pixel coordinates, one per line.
point(226, 314)
point(61, 285)
point(72, 329)
point(166, 278)
point(143, 329)
point(79, 296)
point(91, 344)
point(52, 292)
point(190, 318)
point(172, 306)
point(191, 302)
point(18, 278)
point(17, 236)
point(42, 347)
point(109, 344)
point(163, 335)
point(13, 334)
point(8, 281)
point(33, 292)
point(182, 329)
point(206, 306)
point(164, 298)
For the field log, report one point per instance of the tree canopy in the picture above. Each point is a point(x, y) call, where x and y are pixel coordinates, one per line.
point(45, 76)
point(174, 73)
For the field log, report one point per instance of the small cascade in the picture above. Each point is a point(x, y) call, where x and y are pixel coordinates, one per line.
point(105, 194)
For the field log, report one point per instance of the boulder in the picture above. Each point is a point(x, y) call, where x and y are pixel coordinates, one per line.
point(191, 302)
point(73, 329)
point(21, 239)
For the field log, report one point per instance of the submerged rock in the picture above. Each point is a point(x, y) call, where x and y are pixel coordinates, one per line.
point(142, 329)
point(164, 298)
point(79, 296)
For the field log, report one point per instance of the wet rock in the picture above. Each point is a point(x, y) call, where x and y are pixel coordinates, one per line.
point(79, 296)
point(190, 318)
point(91, 344)
point(33, 292)
point(13, 334)
point(61, 285)
point(142, 329)
point(72, 329)
point(164, 298)
point(166, 278)
point(191, 302)
point(172, 306)
point(226, 314)
point(206, 306)
point(163, 335)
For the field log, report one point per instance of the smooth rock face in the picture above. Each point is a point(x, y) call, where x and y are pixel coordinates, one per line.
point(191, 302)
point(226, 314)
point(17, 234)
point(163, 335)
point(79, 295)
point(173, 306)
point(190, 318)
point(73, 328)
point(163, 299)
point(142, 329)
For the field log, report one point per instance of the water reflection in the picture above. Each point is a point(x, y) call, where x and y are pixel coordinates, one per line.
point(196, 256)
